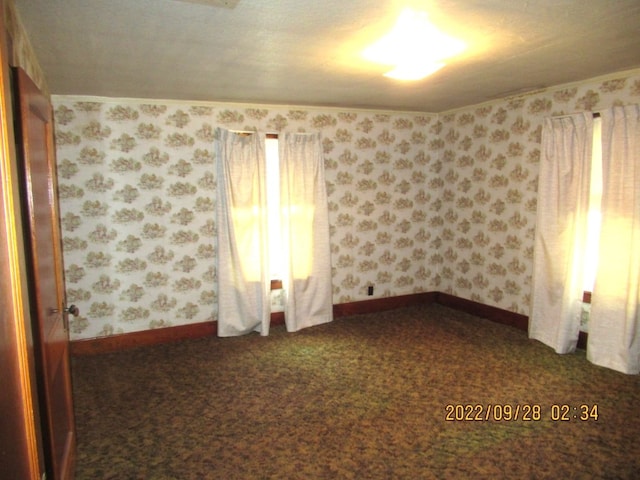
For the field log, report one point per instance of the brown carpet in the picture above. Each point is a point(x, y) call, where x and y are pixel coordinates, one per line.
point(364, 397)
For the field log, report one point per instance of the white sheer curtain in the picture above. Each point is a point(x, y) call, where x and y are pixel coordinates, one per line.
point(305, 231)
point(563, 203)
point(243, 283)
point(614, 325)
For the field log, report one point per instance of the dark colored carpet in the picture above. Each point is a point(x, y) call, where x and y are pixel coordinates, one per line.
point(364, 397)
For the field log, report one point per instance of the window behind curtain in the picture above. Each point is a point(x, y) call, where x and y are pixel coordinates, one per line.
point(276, 260)
point(594, 219)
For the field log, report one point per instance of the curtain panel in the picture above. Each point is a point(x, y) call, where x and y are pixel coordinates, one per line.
point(560, 243)
point(243, 283)
point(305, 231)
point(614, 325)
point(561, 236)
point(244, 270)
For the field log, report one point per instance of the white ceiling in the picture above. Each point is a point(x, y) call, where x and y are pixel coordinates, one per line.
point(306, 52)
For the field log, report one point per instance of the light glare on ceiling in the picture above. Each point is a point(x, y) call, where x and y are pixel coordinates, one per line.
point(415, 47)
point(413, 71)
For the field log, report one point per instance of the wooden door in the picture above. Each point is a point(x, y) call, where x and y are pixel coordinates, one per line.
point(37, 158)
point(20, 440)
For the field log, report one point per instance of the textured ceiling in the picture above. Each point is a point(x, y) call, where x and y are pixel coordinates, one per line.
point(307, 52)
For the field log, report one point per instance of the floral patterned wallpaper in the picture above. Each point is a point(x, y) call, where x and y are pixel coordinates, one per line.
point(489, 157)
point(137, 197)
point(418, 202)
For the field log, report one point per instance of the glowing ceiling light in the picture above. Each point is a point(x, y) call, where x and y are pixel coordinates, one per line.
point(413, 71)
point(415, 47)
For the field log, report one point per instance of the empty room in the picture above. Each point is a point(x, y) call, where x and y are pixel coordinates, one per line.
point(297, 240)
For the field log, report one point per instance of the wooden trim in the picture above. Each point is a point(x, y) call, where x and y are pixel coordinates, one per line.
point(197, 330)
point(92, 346)
point(381, 304)
point(485, 311)
point(499, 315)
point(124, 341)
point(277, 318)
point(583, 337)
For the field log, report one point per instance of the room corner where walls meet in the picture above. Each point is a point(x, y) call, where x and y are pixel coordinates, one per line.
point(417, 202)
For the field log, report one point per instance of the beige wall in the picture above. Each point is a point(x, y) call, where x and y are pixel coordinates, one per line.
point(21, 52)
point(490, 156)
point(137, 187)
point(417, 202)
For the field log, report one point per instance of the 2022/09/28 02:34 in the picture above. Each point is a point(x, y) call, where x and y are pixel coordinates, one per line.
point(526, 412)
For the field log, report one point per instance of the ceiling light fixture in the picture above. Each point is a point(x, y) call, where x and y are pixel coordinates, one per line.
point(415, 47)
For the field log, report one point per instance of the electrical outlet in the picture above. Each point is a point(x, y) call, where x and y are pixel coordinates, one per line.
point(370, 290)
